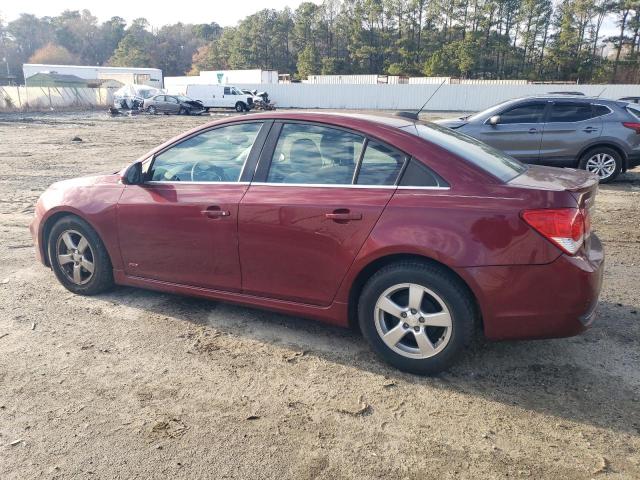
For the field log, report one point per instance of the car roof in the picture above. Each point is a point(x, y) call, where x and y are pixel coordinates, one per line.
point(573, 98)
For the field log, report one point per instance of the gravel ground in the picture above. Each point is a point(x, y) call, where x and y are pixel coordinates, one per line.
point(138, 384)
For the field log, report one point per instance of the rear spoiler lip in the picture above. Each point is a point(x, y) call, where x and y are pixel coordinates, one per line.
point(585, 186)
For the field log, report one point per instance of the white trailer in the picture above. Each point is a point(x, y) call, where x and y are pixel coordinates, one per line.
point(137, 76)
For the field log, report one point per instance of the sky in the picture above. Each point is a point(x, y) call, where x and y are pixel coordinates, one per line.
point(185, 11)
point(158, 14)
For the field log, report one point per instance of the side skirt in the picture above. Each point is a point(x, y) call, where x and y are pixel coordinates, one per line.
point(334, 314)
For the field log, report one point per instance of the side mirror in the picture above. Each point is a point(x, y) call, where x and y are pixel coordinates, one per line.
point(133, 174)
point(495, 120)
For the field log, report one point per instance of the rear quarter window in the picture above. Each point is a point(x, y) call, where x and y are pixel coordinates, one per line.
point(487, 158)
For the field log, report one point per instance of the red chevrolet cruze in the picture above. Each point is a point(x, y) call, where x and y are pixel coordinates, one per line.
point(416, 233)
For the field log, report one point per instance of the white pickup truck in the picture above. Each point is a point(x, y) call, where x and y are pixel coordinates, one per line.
point(220, 96)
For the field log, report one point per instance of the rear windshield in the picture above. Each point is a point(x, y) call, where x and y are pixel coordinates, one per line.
point(493, 161)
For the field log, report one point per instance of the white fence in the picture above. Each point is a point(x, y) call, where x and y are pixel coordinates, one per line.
point(465, 98)
point(47, 98)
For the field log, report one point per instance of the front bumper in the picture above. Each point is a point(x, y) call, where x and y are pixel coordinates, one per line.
point(558, 299)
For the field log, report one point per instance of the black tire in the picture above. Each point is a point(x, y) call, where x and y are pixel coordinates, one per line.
point(152, 110)
point(182, 111)
point(240, 107)
point(101, 279)
point(445, 285)
point(605, 151)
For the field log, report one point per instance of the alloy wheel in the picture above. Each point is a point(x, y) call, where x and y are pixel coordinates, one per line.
point(413, 320)
point(602, 164)
point(75, 257)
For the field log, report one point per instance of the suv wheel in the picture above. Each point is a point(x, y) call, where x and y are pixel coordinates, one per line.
point(605, 162)
point(240, 107)
point(417, 317)
point(79, 258)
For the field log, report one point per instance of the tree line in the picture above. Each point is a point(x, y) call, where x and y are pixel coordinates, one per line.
point(538, 40)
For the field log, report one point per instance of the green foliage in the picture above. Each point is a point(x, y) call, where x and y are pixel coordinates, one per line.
point(533, 39)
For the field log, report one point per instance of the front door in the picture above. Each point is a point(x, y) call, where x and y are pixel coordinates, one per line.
point(569, 127)
point(518, 132)
point(180, 226)
point(302, 224)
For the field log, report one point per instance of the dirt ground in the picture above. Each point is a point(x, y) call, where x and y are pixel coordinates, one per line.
point(138, 384)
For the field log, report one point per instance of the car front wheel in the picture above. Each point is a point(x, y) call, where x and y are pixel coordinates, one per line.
point(240, 107)
point(605, 162)
point(78, 257)
point(416, 316)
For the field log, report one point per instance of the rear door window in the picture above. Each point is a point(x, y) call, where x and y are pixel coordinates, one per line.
point(381, 165)
point(570, 112)
point(312, 154)
point(529, 113)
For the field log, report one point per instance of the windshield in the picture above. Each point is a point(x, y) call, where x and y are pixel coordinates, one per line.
point(489, 159)
point(235, 91)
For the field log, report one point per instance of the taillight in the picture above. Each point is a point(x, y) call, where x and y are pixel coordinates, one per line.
point(564, 227)
point(633, 126)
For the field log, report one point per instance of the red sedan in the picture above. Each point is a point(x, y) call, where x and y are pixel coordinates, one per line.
point(421, 236)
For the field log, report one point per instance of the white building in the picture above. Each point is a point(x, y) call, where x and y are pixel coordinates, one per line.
point(126, 75)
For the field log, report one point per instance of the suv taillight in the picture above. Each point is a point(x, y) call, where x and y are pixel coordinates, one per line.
point(564, 227)
point(633, 126)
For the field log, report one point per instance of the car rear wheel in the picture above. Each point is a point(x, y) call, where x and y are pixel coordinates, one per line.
point(605, 162)
point(416, 316)
point(78, 257)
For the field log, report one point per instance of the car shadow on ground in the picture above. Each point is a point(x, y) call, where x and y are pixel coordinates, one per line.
point(561, 377)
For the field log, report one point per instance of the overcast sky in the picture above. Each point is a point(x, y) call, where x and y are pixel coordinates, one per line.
point(185, 11)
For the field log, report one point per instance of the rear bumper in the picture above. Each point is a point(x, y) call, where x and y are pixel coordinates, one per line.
point(558, 299)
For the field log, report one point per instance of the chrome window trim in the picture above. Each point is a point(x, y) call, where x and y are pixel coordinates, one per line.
point(346, 185)
point(407, 187)
point(170, 182)
point(323, 185)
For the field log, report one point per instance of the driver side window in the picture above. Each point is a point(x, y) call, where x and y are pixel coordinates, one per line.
point(216, 155)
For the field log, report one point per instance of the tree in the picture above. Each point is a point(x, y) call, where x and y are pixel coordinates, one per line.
point(53, 54)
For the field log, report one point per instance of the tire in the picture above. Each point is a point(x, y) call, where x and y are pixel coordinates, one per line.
point(152, 110)
point(66, 264)
point(603, 161)
point(182, 111)
point(445, 301)
point(240, 107)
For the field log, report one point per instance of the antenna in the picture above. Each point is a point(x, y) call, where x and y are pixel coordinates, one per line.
point(425, 103)
point(601, 92)
point(415, 115)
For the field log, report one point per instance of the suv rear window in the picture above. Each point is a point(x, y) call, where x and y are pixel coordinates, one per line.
point(492, 161)
point(570, 112)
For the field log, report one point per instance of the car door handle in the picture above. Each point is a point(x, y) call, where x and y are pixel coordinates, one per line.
point(215, 212)
point(533, 130)
point(343, 215)
point(590, 129)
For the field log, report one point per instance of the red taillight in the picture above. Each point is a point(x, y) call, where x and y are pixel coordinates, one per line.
point(564, 227)
point(633, 126)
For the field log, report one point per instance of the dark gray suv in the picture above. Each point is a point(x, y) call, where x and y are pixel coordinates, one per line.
point(601, 136)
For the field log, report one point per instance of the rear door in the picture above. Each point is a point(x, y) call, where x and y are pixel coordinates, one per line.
point(172, 104)
point(518, 133)
point(570, 126)
point(181, 225)
point(318, 193)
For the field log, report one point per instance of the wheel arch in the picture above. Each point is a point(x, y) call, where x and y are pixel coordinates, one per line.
point(48, 226)
point(368, 270)
point(607, 144)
